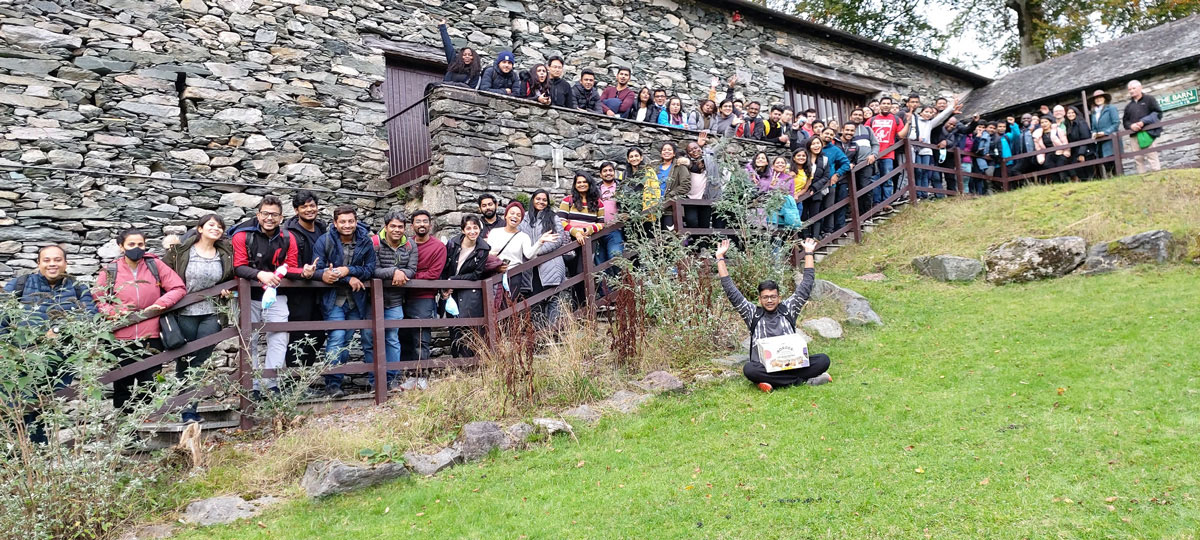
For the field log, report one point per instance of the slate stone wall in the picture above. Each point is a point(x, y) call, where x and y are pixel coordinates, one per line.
point(193, 106)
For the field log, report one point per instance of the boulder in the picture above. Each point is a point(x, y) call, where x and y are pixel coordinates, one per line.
point(331, 477)
point(824, 327)
point(658, 382)
point(1027, 259)
point(857, 307)
point(516, 435)
point(427, 464)
point(625, 401)
point(1147, 247)
point(226, 509)
point(948, 267)
point(479, 438)
point(583, 412)
point(553, 425)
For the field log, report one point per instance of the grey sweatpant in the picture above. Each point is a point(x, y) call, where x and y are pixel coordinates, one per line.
point(277, 342)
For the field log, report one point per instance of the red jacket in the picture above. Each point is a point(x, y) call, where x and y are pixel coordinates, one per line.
point(431, 259)
point(130, 296)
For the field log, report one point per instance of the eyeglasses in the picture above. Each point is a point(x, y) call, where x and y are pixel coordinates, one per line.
point(270, 215)
point(768, 297)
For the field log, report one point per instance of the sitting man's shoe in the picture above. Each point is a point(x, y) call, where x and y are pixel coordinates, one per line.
point(335, 392)
point(765, 387)
point(820, 379)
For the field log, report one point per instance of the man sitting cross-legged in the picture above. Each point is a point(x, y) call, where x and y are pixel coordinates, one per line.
point(774, 318)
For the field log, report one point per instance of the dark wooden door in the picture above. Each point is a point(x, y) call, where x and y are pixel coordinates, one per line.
point(829, 102)
point(407, 127)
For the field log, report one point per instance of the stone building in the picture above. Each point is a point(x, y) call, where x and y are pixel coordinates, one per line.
point(1165, 59)
point(153, 112)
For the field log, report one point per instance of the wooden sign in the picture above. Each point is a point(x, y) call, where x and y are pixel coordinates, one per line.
point(1179, 99)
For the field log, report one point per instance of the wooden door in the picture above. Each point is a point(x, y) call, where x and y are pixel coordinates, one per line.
point(407, 127)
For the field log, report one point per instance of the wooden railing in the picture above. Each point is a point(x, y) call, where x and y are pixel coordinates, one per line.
point(590, 272)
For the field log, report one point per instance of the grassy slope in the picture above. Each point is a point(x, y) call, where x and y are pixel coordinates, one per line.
point(1097, 211)
point(966, 389)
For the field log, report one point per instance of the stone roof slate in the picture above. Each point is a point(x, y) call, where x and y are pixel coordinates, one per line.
point(1101, 66)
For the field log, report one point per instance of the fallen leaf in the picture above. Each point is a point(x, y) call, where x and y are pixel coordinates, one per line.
point(688, 487)
point(908, 448)
point(919, 470)
point(1111, 499)
point(387, 509)
point(419, 514)
point(580, 464)
point(1061, 390)
point(1110, 507)
point(985, 481)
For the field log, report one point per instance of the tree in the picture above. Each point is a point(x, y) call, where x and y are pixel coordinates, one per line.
point(1021, 32)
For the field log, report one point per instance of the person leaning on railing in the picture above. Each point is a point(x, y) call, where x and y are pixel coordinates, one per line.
point(514, 247)
point(540, 220)
point(348, 260)
point(203, 260)
point(396, 264)
point(773, 318)
point(129, 286)
point(51, 297)
point(666, 181)
point(466, 260)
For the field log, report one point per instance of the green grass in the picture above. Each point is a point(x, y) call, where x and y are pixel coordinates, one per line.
point(975, 413)
point(1099, 211)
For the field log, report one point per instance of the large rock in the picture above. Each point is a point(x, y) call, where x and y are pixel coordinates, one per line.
point(857, 307)
point(1147, 247)
point(221, 510)
point(824, 327)
point(427, 464)
point(553, 425)
point(479, 438)
point(331, 477)
point(1027, 259)
point(658, 382)
point(584, 413)
point(948, 267)
point(625, 401)
point(516, 435)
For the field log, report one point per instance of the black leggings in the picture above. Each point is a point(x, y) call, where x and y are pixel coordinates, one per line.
point(817, 364)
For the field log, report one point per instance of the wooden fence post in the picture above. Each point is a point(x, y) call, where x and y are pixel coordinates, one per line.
point(1118, 166)
point(378, 341)
point(491, 327)
point(245, 335)
point(958, 170)
point(854, 207)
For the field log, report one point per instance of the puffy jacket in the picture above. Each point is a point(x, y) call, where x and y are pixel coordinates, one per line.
point(499, 82)
point(362, 266)
point(586, 100)
point(254, 251)
point(129, 295)
point(553, 271)
point(44, 300)
point(528, 89)
point(389, 260)
point(841, 163)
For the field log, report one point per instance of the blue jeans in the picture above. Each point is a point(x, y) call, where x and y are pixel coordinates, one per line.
point(610, 247)
point(417, 339)
point(336, 342)
point(391, 342)
point(882, 167)
point(923, 176)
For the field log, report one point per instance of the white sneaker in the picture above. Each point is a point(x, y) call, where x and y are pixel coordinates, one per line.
point(820, 379)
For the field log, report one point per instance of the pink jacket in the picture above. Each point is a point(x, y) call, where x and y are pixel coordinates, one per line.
point(130, 296)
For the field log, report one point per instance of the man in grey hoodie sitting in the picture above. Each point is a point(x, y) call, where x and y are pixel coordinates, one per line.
point(775, 318)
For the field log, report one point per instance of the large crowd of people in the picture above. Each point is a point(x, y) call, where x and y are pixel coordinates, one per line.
point(811, 165)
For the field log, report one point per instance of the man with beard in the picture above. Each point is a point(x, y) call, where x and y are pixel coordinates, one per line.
point(421, 303)
point(304, 304)
point(617, 99)
point(584, 93)
point(348, 262)
point(487, 209)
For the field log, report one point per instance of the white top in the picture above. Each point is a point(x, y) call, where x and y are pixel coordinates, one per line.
point(699, 184)
point(519, 250)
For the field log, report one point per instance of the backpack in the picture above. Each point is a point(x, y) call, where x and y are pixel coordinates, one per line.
point(22, 284)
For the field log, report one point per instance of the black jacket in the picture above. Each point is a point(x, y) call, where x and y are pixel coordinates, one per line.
point(473, 267)
point(1079, 131)
point(499, 82)
point(1135, 111)
point(561, 94)
point(527, 88)
point(651, 113)
point(587, 100)
point(305, 241)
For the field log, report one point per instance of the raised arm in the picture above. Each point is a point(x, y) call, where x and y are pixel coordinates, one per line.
point(742, 306)
point(447, 45)
point(804, 285)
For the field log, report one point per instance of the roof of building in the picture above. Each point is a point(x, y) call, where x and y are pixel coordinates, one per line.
point(820, 30)
point(1104, 65)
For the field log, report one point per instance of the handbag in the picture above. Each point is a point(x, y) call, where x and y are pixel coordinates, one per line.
point(1144, 140)
point(169, 331)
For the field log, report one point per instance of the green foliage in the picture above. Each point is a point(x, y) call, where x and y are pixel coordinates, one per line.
point(388, 453)
point(905, 27)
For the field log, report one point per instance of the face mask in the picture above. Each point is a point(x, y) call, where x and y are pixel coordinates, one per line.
point(135, 254)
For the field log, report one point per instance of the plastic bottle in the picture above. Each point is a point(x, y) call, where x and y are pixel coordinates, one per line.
point(269, 293)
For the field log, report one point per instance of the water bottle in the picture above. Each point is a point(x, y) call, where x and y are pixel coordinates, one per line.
point(269, 294)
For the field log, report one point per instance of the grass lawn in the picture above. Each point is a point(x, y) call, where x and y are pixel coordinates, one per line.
point(1064, 408)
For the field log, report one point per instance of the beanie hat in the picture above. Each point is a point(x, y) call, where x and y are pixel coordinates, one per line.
point(505, 56)
point(516, 204)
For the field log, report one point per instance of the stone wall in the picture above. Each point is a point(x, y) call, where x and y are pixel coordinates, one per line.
point(503, 145)
point(183, 107)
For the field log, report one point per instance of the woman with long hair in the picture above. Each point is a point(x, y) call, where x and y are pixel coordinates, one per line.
point(758, 169)
point(203, 260)
point(541, 220)
point(466, 260)
point(704, 118)
point(818, 173)
point(1047, 136)
point(642, 107)
point(463, 66)
point(584, 198)
point(672, 115)
point(800, 172)
point(666, 181)
point(514, 246)
point(535, 84)
point(1078, 130)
